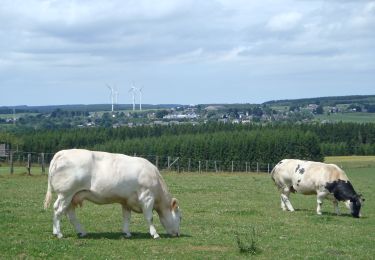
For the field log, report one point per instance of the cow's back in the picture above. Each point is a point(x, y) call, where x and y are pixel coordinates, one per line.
point(113, 177)
point(311, 177)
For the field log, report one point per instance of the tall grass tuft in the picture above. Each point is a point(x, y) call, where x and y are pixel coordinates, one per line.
point(248, 243)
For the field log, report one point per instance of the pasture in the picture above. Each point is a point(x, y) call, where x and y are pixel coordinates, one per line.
point(218, 210)
point(359, 117)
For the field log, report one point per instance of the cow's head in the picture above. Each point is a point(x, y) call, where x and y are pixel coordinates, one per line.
point(172, 218)
point(355, 205)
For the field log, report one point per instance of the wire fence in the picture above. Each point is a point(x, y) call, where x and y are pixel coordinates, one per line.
point(163, 163)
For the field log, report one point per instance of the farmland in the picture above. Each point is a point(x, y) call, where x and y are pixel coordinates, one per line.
point(347, 117)
point(217, 210)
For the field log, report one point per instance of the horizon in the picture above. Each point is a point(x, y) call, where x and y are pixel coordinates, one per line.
point(170, 104)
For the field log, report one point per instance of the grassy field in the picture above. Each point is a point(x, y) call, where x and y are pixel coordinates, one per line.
point(218, 210)
point(352, 162)
point(348, 117)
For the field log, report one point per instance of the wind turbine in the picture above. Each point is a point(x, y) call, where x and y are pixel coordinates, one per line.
point(116, 94)
point(133, 89)
point(112, 94)
point(140, 98)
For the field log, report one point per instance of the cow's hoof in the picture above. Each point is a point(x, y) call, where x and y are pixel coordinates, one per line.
point(83, 234)
point(156, 236)
point(319, 213)
point(127, 235)
point(59, 235)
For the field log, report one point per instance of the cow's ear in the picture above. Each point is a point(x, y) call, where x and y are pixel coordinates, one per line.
point(174, 204)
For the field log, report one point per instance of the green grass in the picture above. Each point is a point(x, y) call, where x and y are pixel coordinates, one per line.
point(352, 162)
point(18, 115)
point(348, 117)
point(225, 216)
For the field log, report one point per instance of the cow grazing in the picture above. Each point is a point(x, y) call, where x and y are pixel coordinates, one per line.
point(77, 175)
point(324, 180)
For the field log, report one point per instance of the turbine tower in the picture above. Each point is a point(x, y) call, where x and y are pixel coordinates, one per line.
point(111, 89)
point(140, 98)
point(116, 94)
point(133, 90)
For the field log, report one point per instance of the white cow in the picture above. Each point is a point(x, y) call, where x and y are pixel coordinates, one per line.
point(103, 178)
point(324, 180)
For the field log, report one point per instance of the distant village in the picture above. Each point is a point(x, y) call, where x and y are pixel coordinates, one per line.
point(189, 114)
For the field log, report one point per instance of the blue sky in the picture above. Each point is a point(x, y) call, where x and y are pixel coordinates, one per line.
point(184, 51)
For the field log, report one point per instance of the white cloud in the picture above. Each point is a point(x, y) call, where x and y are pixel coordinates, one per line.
point(284, 22)
point(136, 38)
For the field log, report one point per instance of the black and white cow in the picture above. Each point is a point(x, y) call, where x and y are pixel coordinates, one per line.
point(324, 180)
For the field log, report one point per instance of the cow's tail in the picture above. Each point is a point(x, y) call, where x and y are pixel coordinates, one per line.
point(48, 198)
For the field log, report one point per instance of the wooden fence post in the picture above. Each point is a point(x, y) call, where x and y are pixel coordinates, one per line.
point(257, 167)
point(29, 163)
point(157, 161)
point(215, 166)
point(199, 166)
point(11, 162)
point(206, 165)
point(232, 166)
point(43, 164)
point(189, 162)
point(246, 166)
point(169, 161)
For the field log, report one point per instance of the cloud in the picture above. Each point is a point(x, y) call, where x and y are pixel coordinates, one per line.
point(284, 22)
point(214, 39)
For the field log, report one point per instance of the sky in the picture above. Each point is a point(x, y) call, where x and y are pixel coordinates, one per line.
point(56, 52)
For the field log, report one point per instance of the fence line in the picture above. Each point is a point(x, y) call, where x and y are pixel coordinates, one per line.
point(166, 163)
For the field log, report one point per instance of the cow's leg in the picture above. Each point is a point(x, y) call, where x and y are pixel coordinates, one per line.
point(285, 202)
point(147, 206)
point(55, 223)
point(319, 199)
point(71, 214)
point(336, 207)
point(347, 204)
point(283, 206)
point(60, 206)
point(126, 213)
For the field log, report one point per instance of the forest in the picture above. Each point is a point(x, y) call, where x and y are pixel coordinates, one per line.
point(212, 141)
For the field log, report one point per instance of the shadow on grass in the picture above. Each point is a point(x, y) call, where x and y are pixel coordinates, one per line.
point(332, 214)
point(119, 235)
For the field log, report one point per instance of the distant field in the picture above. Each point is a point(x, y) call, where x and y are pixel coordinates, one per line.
point(217, 208)
point(352, 162)
point(348, 117)
point(5, 116)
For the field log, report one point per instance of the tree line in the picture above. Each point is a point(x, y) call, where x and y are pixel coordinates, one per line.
point(213, 141)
